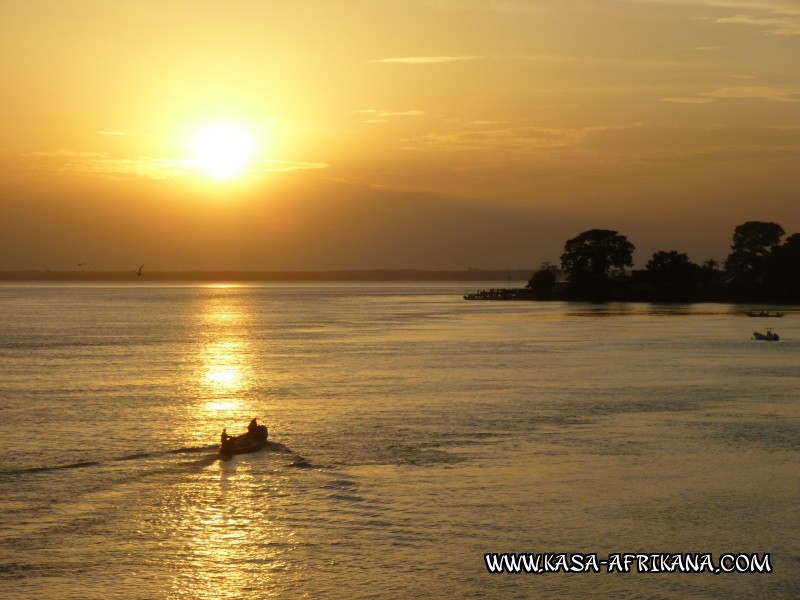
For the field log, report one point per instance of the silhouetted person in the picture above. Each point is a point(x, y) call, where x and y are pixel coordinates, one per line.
point(252, 427)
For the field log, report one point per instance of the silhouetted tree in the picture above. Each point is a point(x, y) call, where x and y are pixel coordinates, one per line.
point(709, 271)
point(671, 268)
point(544, 279)
point(782, 271)
point(591, 258)
point(752, 242)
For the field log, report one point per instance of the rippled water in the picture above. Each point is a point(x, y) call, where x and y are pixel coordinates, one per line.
point(412, 432)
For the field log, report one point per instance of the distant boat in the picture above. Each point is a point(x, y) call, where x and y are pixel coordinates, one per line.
point(767, 337)
point(254, 439)
point(763, 313)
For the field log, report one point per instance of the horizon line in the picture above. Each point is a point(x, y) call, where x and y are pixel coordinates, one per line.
point(385, 274)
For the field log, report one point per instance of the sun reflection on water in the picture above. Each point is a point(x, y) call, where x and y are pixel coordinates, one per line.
point(229, 547)
point(223, 375)
point(222, 406)
point(226, 355)
point(224, 366)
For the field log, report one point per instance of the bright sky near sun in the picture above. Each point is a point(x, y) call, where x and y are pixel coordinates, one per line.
point(260, 135)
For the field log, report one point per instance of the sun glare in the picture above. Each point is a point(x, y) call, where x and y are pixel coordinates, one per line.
point(222, 151)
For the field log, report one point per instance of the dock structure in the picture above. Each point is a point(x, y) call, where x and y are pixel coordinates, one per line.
point(500, 294)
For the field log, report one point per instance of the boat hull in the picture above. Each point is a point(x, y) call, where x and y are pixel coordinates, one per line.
point(243, 448)
point(767, 337)
point(242, 444)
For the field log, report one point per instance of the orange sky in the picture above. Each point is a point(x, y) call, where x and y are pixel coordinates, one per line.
point(437, 134)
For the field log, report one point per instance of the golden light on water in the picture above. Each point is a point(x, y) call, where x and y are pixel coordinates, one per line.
point(224, 371)
point(222, 406)
point(222, 286)
point(220, 535)
point(222, 377)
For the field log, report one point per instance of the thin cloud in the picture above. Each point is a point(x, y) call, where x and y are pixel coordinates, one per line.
point(728, 154)
point(61, 154)
point(102, 165)
point(637, 142)
point(551, 59)
point(771, 94)
point(681, 100)
point(777, 6)
point(269, 167)
point(776, 17)
point(498, 6)
point(599, 61)
point(512, 139)
point(426, 60)
point(117, 133)
point(383, 114)
point(782, 25)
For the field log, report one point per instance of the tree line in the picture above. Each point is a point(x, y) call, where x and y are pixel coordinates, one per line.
point(597, 265)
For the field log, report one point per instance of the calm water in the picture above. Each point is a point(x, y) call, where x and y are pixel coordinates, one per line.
point(413, 432)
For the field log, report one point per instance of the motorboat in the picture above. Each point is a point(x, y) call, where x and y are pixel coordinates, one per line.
point(767, 337)
point(254, 439)
point(763, 313)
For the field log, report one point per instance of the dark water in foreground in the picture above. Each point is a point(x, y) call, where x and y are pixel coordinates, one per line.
point(413, 432)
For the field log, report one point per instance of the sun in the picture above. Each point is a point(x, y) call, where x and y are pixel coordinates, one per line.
point(222, 152)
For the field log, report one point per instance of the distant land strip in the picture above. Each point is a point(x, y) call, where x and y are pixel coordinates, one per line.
point(241, 276)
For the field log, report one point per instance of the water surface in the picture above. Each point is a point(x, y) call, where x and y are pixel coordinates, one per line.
point(413, 432)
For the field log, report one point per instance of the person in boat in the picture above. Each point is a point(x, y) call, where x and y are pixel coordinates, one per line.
point(226, 441)
point(256, 431)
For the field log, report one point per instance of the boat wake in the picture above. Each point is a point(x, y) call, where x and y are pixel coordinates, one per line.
point(208, 455)
point(84, 464)
point(76, 465)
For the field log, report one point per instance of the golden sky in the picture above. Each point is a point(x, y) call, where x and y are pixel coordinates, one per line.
point(359, 134)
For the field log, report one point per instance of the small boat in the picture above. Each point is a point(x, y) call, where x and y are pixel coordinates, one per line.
point(254, 439)
point(763, 313)
point(767, 337)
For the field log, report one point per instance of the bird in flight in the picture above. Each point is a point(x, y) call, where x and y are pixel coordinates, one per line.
point(139, 272)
